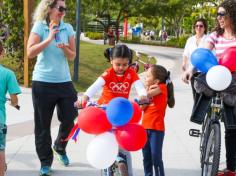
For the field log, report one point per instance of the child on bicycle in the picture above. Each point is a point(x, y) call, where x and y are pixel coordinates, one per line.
point(116, 81)
point(161, 92)
point(8, 83)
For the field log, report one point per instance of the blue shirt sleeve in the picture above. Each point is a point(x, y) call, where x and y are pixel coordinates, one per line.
point(38, 29)
point(12, 85)
point(70, 30)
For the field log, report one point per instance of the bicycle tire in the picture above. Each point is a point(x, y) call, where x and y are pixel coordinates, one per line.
point(203, 139)
point(213, 148)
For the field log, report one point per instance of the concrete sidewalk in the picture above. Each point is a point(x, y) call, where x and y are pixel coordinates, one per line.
point(180, 153)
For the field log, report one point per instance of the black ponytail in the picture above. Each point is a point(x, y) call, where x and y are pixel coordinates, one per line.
point(159, 72)
point(118, 51)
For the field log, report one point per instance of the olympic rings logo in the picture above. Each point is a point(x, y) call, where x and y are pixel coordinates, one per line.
point(119, 87)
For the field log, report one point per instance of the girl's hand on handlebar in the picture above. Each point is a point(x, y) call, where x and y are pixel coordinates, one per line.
point(81, 102)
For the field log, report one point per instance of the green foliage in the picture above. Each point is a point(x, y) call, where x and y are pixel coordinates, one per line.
point(12, 17)
point(177, 42)
point(94, 35)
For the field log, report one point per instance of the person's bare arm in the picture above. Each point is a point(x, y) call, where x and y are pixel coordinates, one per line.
point(35, 45)
point(209, 46)
point(153, 90)
point(14, 99)
point(69, 50)
point(185, 63)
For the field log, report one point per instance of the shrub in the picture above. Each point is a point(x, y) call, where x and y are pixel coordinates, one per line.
point(94, 35)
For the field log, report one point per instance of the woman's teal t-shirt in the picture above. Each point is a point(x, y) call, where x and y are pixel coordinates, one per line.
point(52, 65)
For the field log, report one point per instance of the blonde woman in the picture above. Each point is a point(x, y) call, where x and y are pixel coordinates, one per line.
point(52, 41)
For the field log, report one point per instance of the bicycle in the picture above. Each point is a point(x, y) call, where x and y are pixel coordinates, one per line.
point(210, 137)
point(146, 65)
point(120, 166)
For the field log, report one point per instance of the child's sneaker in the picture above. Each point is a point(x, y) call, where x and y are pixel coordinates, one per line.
point(45, 171)
point(63, 159)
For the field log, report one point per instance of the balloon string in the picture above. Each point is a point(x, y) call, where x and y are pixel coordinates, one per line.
point(72, 132)
point(76, 134)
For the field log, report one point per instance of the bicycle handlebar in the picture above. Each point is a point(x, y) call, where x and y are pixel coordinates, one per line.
point(92, 103)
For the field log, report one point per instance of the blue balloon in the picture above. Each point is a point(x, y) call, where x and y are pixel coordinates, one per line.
point(203, 59)
point(119, 111)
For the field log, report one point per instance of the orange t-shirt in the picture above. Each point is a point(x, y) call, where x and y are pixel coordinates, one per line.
point(154, 113)
point(117, 86)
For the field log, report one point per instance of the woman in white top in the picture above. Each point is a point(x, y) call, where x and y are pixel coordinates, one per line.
point(194, 42)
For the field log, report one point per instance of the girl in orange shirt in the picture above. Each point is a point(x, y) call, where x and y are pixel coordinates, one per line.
point(161, 92)
point(116, 81)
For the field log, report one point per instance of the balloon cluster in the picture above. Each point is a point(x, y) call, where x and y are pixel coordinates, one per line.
point(218, 75)
point(115, 127)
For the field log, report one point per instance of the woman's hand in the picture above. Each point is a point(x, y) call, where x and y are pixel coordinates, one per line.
point(52, 31)
point(187, 75)
point(63, 46)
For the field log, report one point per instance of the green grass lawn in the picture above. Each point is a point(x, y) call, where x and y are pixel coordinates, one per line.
point(92, 64)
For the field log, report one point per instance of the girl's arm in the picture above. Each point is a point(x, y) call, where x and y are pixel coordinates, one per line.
point(96, 86)
point(153, 90)
point(69, 50)
point(209, 46)
point(141, 91)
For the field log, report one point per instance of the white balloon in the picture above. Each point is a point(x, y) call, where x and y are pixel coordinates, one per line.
point(218, 77)
point(102, 150)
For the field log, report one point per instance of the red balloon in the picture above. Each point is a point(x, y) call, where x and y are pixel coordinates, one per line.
point(93, 120)
point(137, 113)
point(229, 59)
point(131, 137)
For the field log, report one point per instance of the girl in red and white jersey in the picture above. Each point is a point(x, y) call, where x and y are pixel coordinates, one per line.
point(116, 81)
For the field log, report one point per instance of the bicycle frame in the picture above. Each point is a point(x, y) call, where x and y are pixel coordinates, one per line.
point(211, 137)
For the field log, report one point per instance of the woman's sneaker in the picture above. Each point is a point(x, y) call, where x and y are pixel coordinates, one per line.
point(45, 171)
point(63, 159)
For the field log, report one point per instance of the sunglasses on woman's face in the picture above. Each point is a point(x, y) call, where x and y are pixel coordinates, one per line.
point(221, 14)
point(199, 25)
point(61, 9)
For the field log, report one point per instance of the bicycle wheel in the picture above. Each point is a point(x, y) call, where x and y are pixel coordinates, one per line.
point(204, 136)
point(212, 151)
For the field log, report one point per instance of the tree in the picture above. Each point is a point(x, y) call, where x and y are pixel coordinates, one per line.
point(107, 12)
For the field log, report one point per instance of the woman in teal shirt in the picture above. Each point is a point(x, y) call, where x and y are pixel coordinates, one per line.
point(53, 42)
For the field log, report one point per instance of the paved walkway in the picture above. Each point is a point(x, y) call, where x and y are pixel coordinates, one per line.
point(181, 152)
